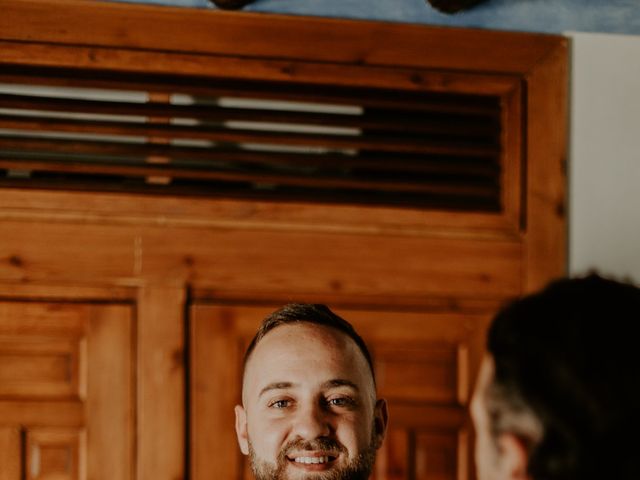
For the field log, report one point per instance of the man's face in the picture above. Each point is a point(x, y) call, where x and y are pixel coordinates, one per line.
point(309, 407)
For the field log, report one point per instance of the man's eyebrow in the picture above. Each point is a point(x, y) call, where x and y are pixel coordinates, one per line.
point(340, 382)
point(275, 386)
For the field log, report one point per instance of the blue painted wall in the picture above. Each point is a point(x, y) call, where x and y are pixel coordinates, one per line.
point(550, 16)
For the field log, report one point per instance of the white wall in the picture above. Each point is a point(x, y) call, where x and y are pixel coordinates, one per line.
point(604, 168)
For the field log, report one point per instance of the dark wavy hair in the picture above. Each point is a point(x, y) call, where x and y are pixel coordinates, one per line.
point(309, 313)
point(567, 356)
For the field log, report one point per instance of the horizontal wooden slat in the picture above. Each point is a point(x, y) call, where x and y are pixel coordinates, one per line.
point(31, 318)
point(58, 292)
point(206, 155)
point(242, 68)
point(217, 258)
point(369, 142)
point(316, 181)
point(484, 105)
point(54, 413)
point(389, 120)
point(322, 197)
point(129, 208)
point(44, 253)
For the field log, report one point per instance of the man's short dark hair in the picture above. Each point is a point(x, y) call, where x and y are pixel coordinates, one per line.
point(568, 356)
point(309, 313)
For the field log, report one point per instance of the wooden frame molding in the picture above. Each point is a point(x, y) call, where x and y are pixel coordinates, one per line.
point(147, 28)
point(529, 71)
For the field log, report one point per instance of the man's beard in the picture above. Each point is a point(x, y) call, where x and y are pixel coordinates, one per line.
point(358, 468)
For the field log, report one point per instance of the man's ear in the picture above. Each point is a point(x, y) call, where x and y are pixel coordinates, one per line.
point(513, 458)
point(241, 429)
point(380, 421)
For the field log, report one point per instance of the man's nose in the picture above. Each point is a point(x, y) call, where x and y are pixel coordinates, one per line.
point(312, 421)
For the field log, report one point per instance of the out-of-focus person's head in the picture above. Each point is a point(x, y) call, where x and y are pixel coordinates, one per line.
point(558, 396)
point(309, 407)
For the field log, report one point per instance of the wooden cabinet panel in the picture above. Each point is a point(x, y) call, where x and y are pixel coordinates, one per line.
point(436, 455)
point(68, 367)
point(425, 363)
point(66, 390)
point(54, 454)
point(424, 372)
point(42, 367)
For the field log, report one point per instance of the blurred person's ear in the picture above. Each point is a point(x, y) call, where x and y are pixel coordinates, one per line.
point(513, 458)
point(241, 429)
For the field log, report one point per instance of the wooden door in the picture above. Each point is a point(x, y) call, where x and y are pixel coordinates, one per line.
point(424, 362)
point(66, 403)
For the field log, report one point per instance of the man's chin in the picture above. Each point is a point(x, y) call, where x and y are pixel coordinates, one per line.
point(337, 465)
point(293, 471)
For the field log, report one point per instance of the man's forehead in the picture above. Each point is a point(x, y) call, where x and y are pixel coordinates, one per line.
point(303, 336)
point(298, 351)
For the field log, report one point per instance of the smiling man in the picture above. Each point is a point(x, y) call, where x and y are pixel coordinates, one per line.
point(309, 406)
point(558, 395)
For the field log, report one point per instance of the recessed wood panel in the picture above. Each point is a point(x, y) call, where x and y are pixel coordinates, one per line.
point(33, 367)
point(38, 318)
point(55, 454)
point(418, 372)
point(424, 358)
point(437, 455)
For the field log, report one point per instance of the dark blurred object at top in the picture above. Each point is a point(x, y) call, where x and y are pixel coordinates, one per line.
point(231, 4)
point(446, 6)
point(454, 6)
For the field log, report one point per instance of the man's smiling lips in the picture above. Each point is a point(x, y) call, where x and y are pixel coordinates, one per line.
point(312, 460)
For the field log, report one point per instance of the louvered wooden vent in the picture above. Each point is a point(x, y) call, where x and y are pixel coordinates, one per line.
point(221, 137)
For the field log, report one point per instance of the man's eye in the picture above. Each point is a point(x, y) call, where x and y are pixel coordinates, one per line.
point(280, 404)
point(340, 402)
